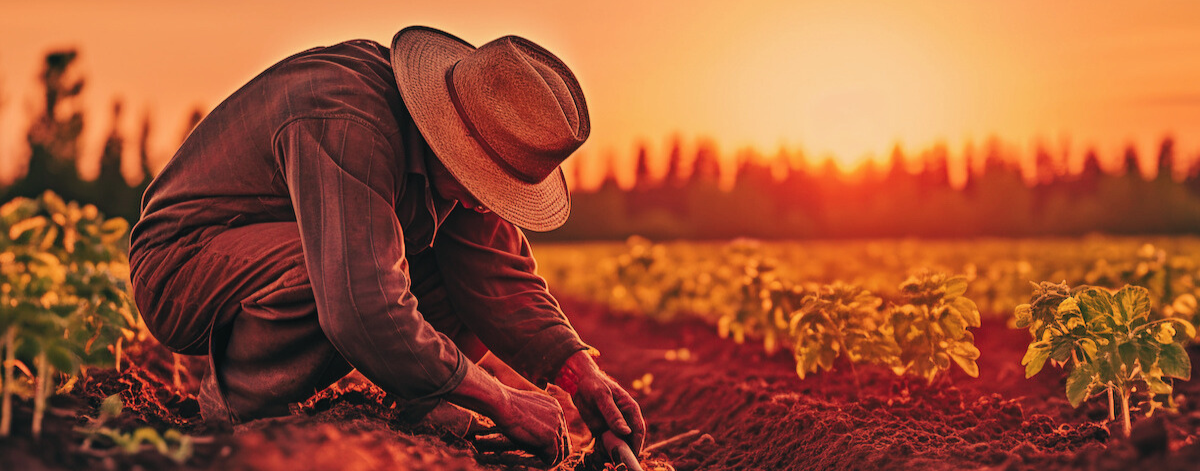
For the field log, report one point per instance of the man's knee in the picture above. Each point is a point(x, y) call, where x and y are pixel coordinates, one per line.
point(186, 290)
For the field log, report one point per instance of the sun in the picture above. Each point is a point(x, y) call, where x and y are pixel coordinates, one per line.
point(846, 85)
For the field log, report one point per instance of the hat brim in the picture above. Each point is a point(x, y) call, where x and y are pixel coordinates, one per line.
point(420, 58)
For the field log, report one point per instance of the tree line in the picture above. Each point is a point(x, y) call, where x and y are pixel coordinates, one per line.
point(765, 200)
point(997, 199)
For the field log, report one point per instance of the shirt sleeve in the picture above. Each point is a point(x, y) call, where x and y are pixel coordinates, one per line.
point(490, 275)
point(342, 177)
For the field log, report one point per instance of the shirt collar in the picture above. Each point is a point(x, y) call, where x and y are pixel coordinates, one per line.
point(415, 166)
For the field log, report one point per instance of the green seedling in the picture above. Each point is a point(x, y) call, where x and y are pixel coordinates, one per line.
point(172, 444)
point(838, 319)
point(1109, 343)
point(931, 328)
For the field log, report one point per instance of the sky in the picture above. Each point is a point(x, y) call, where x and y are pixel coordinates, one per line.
point(848, 79)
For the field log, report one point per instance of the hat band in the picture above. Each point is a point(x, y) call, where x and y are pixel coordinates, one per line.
point(477, 136)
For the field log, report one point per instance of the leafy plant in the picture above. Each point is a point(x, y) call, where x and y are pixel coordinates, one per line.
point(63, 294)
point(763, 307)
point(1108, 342)
point(931, 327)
point(841, 318)
point(639, 277)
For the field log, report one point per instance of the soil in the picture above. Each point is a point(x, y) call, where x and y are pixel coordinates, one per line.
point(761, 415)
point(749, 410)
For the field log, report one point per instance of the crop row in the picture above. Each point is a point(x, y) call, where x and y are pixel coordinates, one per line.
point(920, 329)
point(998, 271)
point(862, 299)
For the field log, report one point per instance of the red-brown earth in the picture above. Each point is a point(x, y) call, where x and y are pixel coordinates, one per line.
point(750, 408)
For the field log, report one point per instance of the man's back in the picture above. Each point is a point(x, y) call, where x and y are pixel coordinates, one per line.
point(227, 173)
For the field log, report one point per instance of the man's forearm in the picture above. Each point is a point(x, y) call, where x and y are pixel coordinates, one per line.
point(480, 392)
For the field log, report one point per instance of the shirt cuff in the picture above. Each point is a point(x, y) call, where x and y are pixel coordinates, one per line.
point(456, 378)
point(546, 353)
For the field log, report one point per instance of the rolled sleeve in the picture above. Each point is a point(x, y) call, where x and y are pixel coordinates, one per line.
point(490, 274)
point(342, 178)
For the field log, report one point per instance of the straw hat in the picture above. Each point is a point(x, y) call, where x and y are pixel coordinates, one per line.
point(501, 118)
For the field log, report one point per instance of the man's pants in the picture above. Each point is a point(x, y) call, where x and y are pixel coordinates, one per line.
point(245, 298)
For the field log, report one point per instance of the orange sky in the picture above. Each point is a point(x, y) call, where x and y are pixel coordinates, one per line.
point(845, 78)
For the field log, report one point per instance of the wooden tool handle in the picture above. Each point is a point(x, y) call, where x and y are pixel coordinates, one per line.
point(619, 451)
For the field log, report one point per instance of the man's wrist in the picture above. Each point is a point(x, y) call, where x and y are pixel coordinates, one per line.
point(575, 369)
point(567, 379)
point(479, 392)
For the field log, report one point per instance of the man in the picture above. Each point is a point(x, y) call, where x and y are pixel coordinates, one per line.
point(343, 210)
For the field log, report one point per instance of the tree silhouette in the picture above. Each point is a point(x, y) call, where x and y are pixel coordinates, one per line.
point(54, 139)
point(1129, 163)
point(935, 174)
point(674, 163)
point(1192, 180)
point(1166, 159)
point(111, 192)
point(1046, 170)
point(1091, 170)
point(642, 178)
point(706, 168)
point(143, 160)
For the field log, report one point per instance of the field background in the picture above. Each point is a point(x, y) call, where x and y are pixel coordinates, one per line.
point(744, 161)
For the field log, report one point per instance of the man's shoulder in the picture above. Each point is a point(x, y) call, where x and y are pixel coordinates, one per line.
point(354, 50)
point(351, 78)
point(359, 57)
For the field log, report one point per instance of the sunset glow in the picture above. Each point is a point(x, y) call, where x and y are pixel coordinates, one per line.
point(832, 79)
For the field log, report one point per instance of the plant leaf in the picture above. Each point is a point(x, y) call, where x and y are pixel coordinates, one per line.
point(955, 287)
point(1184, 330)
point(954, 323)
point(1174, 361)
point(1157, 385)
point(1132, 302)
point(1078, 384)
point(111, 406)
point(1147, 354)
point(60, 358)
point(1061, 348)
point(1035, 358)
point(1068, 307)
point(1089, 349)
point(966, 350)
point(969, 366)
point(1023, 314)
point(1095, 305)
point(968, 309)
point(1128, 352)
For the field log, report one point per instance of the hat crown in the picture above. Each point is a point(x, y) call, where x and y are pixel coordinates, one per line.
point(521, 104)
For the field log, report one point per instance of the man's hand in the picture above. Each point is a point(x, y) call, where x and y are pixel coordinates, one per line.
point(534, 421)
point(603, 404)
point(531, 420)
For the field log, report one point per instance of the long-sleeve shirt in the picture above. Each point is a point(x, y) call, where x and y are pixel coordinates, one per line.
point(323, 138)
